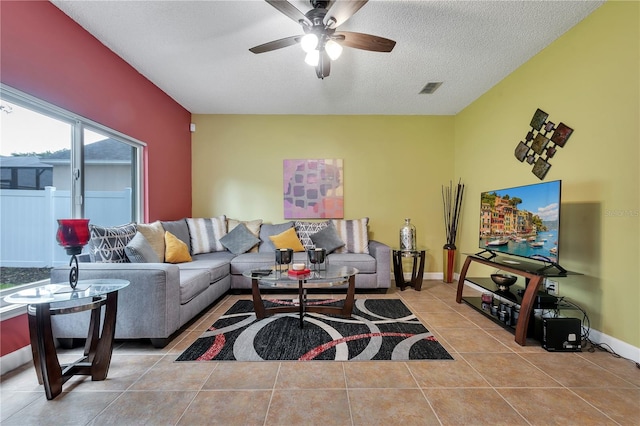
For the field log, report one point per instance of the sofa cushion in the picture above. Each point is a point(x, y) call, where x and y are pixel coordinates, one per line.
point(354, 233)
point(252, 225)
point(305, 229)
point(140, 251)
point(287, 239)
point(216, 264)
point(154, 234)
point(364, 263)
point(107, 244)
point(180, 229)
point(267, 230)
point(206, 233)
point(176, 250)
point(248, 261)
point(327, 239)
point(192, 283)
point(239, 240)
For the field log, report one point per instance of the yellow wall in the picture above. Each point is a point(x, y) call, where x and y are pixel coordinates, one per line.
point(588, 79)
point(394, 168)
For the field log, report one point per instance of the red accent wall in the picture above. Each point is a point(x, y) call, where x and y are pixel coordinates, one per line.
point(14, 334)
point(47, 55)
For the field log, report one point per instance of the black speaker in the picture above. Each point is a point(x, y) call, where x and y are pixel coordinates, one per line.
point(562, 334)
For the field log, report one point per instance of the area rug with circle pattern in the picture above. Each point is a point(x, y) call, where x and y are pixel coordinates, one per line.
point(379, 329)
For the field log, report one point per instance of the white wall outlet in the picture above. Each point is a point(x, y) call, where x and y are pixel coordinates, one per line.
point(551, 287)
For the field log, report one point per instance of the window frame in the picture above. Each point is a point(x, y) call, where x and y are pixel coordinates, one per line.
point(79, 124)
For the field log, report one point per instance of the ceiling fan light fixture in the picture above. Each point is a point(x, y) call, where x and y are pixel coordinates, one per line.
point(309, 42)
point(334, 50)
point(312, 58)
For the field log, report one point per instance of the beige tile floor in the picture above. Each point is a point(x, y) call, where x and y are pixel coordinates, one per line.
point(491, 381)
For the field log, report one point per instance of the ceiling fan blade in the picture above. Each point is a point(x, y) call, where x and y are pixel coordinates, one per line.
point(290, 10)
point(276, 44)
point(324, 65)
point(340, 11)
point(364, 41)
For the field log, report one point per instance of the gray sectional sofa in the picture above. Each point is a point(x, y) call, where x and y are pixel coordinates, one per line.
point(162, 297)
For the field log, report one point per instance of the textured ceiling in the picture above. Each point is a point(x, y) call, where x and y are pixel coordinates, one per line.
point(197, 52)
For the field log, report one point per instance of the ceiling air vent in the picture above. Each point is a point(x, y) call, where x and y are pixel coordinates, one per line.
point(430, 87)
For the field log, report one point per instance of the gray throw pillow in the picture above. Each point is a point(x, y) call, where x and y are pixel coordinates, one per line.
point(327, 239)
point(180, 229)
point(140, 251)
point(239, 240)
point(268, 230)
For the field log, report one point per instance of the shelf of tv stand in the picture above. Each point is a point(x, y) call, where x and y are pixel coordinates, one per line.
point(534, 273)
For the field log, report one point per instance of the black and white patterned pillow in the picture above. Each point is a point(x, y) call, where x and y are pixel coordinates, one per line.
point(305, 229)
point(107, 243)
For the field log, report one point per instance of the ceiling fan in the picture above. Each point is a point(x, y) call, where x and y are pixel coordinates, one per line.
point(320, 40)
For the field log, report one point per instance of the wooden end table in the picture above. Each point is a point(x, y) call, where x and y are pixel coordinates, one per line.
point(416, 271)
point(59, 299)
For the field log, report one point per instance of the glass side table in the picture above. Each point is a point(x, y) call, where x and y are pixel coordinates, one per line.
point(417, 270)
point(59, 299)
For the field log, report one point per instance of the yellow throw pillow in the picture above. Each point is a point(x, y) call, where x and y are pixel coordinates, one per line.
point(287, 239)
point(176, 251)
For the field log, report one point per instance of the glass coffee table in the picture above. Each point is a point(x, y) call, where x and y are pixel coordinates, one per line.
point(331, 276)
point(58, 299)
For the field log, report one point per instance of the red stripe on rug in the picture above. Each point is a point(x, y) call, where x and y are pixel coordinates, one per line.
point(214, 350)
point(318, 350)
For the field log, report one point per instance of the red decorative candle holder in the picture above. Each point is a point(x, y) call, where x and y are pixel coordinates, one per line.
point(73, 234)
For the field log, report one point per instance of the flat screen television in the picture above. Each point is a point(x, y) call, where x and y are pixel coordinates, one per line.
point(522, 221)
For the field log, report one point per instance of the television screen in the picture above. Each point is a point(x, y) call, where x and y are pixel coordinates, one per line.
point(522, 221)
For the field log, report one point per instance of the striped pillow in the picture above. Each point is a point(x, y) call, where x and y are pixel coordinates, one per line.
point(355, 235)
point(206, 233)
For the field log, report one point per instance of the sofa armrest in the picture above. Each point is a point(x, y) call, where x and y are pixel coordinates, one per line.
point(148, 307)
point(382, 253)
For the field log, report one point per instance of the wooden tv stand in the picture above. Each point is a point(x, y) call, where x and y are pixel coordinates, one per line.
point(535, 273)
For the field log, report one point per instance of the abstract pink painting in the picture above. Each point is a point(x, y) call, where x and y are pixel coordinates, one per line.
point(313, 189)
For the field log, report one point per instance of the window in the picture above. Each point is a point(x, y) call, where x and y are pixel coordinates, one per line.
point(55, 164)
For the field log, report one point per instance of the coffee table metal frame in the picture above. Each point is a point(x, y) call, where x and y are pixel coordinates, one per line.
point(332, 276)
point(44, 301)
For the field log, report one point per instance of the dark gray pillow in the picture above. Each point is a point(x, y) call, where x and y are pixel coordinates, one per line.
point(140, 251)
point(180, 229)
point(327, 239)
point(268, 230)
point(239, 240)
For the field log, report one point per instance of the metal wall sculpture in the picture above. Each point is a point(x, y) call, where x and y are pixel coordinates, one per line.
point(542, 143)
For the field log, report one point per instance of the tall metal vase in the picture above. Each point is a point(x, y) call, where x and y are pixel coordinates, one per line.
point(448, 262)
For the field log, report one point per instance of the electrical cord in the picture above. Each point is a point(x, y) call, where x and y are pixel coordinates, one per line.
point(586, 328)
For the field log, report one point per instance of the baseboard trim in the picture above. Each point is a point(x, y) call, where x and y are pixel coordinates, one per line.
point(623, 349)
point(15, 359)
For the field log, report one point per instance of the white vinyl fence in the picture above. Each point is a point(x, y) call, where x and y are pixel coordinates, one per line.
point(28, 222)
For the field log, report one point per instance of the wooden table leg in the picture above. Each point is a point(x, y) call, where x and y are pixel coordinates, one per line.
point(347, 309)
point(417, 276)
point(101, 359)
point(398, 273)
point(258, 304)
point(45, 356)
